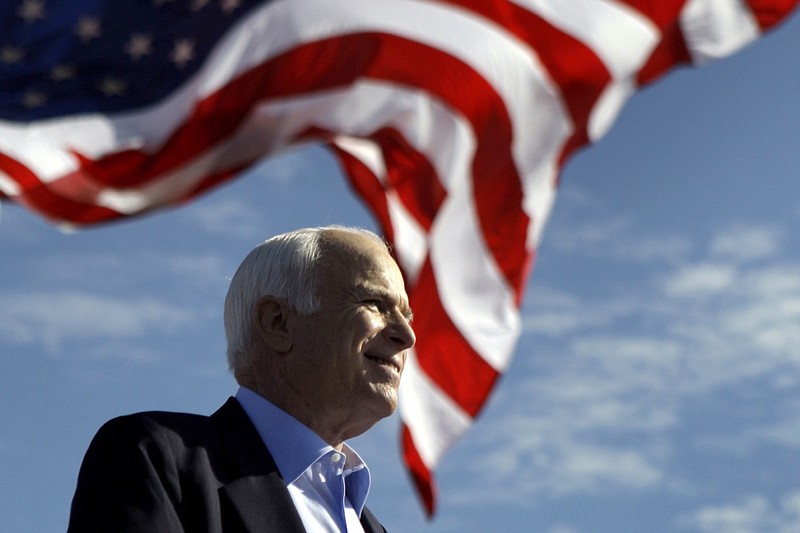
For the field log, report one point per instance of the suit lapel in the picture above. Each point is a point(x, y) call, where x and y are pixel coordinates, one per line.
point(261, 503)
point(256, 494)
point(370, 523)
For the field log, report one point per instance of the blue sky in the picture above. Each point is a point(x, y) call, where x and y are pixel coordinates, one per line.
point(656, 385)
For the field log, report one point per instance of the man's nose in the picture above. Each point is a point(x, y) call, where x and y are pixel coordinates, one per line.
point(400, 333)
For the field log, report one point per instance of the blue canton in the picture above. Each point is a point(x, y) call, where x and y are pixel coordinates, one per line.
point(66, 57)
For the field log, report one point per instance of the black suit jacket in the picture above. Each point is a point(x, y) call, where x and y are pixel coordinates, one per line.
point(165, 472)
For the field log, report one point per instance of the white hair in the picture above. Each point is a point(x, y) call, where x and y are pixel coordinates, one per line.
point(284, 266)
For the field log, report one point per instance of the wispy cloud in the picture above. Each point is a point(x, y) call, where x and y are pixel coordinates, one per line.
point(753, 514)
point(614, 239)
point(743, 242)
point(52, 319)
point(700, 280)
point(229, 217)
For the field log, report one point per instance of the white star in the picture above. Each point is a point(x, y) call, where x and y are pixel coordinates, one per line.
point(88, 28)
point(183, 52)
point(112, 86)
point(139, 45)
point(10, 55)
point(31, 10)
point(229, 6)
point(62, 72)
point(33, 99)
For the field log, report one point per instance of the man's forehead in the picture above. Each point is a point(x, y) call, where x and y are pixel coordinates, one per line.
point(350, 240)
point(357, 252)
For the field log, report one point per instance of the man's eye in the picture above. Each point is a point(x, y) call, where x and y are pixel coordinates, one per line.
point(372, 303)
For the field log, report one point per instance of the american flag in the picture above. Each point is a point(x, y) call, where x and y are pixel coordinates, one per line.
point(450, 118)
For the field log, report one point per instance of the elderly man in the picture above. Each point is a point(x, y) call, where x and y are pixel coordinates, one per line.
point(318, 324)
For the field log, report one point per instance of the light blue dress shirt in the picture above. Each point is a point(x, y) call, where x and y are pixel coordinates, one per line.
point(329, 488)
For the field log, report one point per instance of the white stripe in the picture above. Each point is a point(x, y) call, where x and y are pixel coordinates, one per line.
point(8, 186)
point(607, 108)
point(716, 28)
point(411, 241)
point(620, 36)
point(540, 196)
point(40, 146)
point(433, 419)
point(471, 289)
point(365, 151)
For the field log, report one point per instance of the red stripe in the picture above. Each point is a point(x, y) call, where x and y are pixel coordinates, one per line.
point(769, 13)
point(443, 353)
point(411, 175)
point(420, 475)
point(670, 52)
point(40, 198)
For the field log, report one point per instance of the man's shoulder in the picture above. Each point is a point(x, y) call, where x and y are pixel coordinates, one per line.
point(164, 426)
point(154, 421)
point(164, 419)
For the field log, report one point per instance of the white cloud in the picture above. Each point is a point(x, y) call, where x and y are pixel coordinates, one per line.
point(746, 243)
point(199, 269)
point(562, 528)
point(594, 467)
point(55, 318)
point(557, 314)
point(615, 239)
point(754, 514)
point(590, 236)
point(79, 268)
point(669, 249)
point(228, 217)
point(700, 280)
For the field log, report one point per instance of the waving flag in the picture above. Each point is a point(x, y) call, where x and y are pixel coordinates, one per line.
point(450, 118)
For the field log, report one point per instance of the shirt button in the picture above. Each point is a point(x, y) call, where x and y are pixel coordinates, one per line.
point(336, 457)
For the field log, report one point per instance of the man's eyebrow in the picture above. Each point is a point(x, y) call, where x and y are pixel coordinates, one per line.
point(369, 291)
point(405, 309)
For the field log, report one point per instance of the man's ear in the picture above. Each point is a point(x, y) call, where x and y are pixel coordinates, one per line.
point(272, 323)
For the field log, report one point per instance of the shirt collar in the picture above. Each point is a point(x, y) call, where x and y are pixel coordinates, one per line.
point(295, 447)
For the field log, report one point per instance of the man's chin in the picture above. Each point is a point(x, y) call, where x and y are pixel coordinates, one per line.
point(385, 403)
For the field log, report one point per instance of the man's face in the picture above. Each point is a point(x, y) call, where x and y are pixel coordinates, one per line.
point(349, 354)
